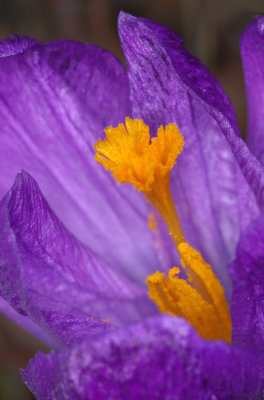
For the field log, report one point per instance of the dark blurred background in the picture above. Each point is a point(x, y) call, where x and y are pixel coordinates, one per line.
point(210, 29)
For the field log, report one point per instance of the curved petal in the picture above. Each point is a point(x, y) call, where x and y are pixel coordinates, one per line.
point(61, 329)
point(162, 358)
point(247, 306)
point(50, 277)
point(168, 84)
point(252, 53)
point(26, 323)
point(15, 44)
point(55, 99)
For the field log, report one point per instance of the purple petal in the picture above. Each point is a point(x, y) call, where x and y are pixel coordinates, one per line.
point(252, 53)
point(26, 323)
point(47, 274)
point(162, 358)
point(247, 306)
point(15, 44)
point(168, 84)
point(71, 329)
point(55, 99)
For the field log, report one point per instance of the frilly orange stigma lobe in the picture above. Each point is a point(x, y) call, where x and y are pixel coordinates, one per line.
point(128, 152)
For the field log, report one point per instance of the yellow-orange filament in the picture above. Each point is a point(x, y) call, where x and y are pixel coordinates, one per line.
point(128, 152)
point(201, 300)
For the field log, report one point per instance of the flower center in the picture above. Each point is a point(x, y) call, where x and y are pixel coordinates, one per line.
point(128, 152)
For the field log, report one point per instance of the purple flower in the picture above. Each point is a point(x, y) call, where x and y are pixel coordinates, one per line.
point(61, 281)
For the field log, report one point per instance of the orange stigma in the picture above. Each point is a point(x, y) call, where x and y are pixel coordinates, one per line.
point(128, 152)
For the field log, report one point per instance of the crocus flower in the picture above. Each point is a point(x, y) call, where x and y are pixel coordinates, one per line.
point(76, 248)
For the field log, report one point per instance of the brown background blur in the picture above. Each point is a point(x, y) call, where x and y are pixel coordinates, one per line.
point(210, 29)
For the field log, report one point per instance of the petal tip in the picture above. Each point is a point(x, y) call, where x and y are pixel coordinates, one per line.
point(22, 177)
point(123, 16)
point(260, 25)
point(124, 20)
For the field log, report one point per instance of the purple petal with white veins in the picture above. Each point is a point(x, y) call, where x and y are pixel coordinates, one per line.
point(162, 358)
point(48, 275)
point(168, 84)
point(55, 100)
point(247, 305)
point(252, 53)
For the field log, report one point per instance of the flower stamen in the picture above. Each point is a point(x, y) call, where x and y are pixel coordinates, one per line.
point(200, 300)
